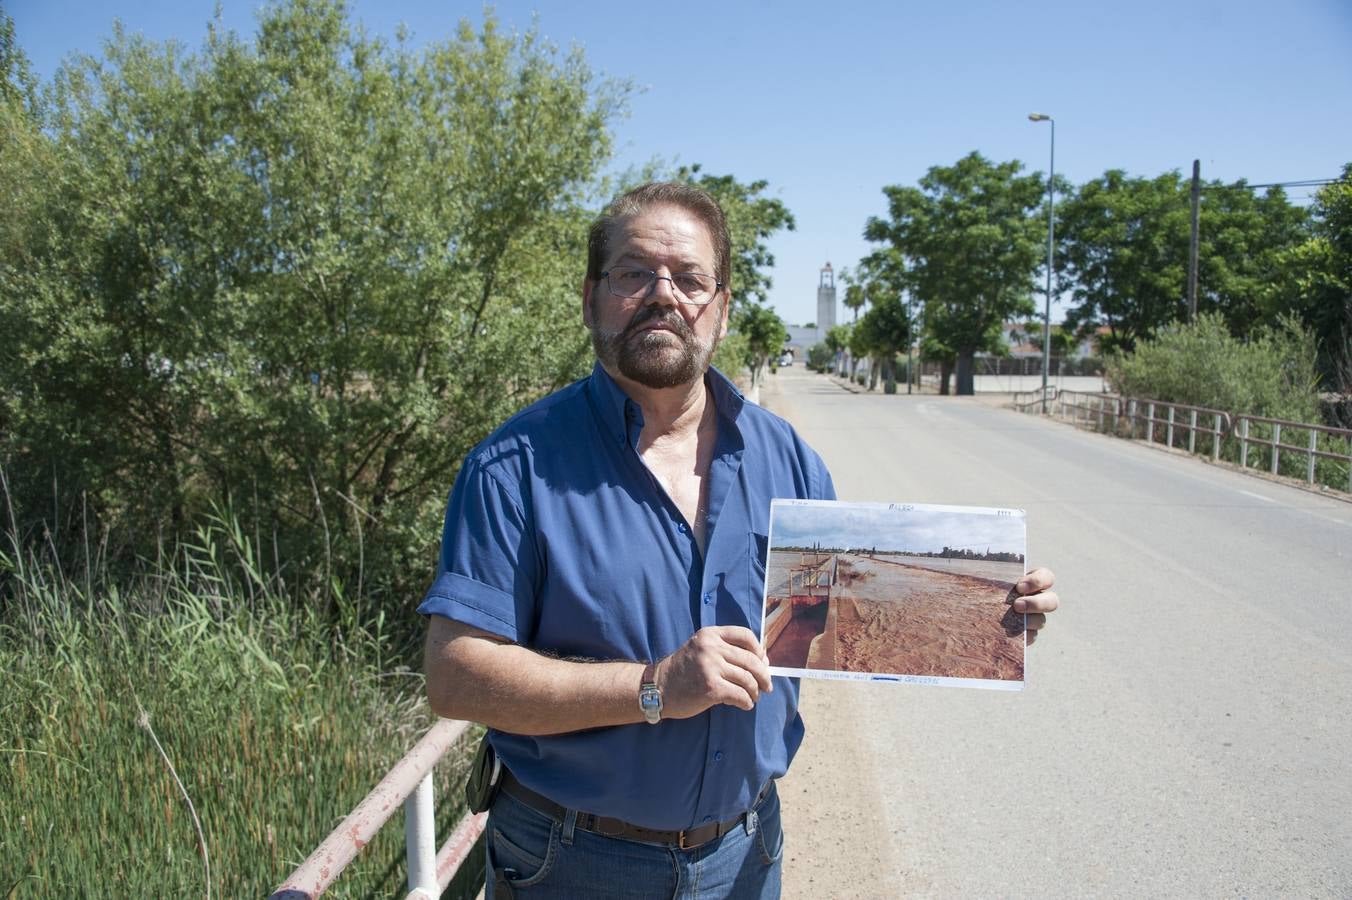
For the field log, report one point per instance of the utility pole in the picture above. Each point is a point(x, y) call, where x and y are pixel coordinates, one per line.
point(1192, 247)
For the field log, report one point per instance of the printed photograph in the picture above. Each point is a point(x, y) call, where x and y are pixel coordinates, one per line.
point(895, 592)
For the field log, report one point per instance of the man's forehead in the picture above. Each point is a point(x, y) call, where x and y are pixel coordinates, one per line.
point(662, 229)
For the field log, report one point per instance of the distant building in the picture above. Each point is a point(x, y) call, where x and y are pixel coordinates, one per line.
point(1023, 342)
point(801, 337)
point(826, 301)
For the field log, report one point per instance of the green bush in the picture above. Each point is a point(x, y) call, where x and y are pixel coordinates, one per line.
point(303, 272)
point(730, 357)
point(1270, 373)
point(819, 357)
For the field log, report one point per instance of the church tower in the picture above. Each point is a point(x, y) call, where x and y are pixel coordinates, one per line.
point(826, 302)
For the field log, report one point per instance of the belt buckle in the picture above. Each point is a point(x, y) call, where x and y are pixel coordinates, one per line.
point(680, 841)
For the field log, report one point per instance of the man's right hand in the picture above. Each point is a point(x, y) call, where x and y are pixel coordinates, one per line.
point(719, 664)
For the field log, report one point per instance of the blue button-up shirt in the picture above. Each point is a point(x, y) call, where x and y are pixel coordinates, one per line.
point(559, 538)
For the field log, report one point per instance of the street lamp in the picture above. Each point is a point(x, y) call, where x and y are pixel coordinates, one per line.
point(1051, 230)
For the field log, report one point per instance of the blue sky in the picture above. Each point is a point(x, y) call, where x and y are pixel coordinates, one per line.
point(829, 102)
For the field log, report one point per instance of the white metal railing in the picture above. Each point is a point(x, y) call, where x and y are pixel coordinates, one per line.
point(1311, 448)
point(1157, 421)
point(409, 782)
point(1085, 407)
point(1157, 416)
point(1024, 400)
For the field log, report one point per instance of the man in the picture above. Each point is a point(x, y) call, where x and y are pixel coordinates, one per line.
point(599, 595)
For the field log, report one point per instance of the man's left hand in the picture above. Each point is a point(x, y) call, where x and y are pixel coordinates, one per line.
point(1036, 598)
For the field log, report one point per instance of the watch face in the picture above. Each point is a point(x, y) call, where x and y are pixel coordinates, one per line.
point(650, 701)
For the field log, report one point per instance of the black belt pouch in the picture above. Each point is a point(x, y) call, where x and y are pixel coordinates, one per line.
point(485, 778)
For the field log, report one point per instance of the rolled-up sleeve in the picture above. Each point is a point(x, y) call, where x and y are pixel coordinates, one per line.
point(487, 576)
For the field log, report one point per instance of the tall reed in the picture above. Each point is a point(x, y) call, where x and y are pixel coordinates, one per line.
point(276, 717)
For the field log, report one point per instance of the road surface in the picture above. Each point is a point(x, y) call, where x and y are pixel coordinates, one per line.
point(1187, 721)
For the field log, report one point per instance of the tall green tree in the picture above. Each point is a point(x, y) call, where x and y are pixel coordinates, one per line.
point(881, 334)
point(879, 280)
point(972, 243)
point(764, 335)
point(300, 275)
point(752, 218)
point(1314, 283)
point(855, 296)
point(837, 340)
point(1243, 238)
point(1124, 253)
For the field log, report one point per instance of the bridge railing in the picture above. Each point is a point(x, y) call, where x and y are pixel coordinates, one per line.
point(1251, 441)
point(1030, 401)
point(1266, 435)
point(408, 783)
point(1086, 408)
point(1159, 422)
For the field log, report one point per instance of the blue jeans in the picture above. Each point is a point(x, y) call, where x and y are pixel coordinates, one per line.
point(544, 857)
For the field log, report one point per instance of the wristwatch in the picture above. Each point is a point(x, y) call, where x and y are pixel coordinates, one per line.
point(650, 695)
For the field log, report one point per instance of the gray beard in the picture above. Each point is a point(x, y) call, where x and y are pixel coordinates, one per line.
point(651, 359)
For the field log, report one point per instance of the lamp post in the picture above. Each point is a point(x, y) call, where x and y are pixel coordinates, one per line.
point(1051, 230)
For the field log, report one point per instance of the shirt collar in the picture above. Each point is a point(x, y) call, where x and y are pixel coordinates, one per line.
point(622, 418)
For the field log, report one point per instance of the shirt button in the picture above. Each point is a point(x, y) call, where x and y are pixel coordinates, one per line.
point(718, 756)
point(708, 598)
point(682, 528)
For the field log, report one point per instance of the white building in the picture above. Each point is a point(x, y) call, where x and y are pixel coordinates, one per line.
point(802, 337)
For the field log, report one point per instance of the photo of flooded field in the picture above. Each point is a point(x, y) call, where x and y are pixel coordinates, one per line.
point(904, 592)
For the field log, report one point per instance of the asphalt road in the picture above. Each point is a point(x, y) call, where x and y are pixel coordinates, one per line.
point(1186, 724)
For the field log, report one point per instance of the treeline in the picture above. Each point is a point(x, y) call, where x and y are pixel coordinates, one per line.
point(969, 553)
point(293, 278)
point(967, 248)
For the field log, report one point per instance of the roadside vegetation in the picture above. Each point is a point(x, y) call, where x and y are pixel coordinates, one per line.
point(1272, 373)
point(259, 297)
point(192, 724)
point(967, 248)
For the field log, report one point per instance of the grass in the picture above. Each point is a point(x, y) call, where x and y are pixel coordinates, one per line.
point(190, 731)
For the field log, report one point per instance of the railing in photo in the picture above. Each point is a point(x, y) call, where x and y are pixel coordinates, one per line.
point(409, 783)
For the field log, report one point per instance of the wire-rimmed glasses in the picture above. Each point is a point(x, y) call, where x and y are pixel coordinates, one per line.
point(634, 283)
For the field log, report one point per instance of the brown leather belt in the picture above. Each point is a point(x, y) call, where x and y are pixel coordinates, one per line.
point(617, 828)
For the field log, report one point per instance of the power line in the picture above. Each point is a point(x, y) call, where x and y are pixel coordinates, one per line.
point(1309, 182)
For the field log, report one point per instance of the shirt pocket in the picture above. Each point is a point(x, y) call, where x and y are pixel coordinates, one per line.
point(760, 549)
point(758, 555)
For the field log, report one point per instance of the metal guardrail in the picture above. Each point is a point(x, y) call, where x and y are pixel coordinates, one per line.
point(1311, 448)
point(1023, 400)
point(409, 782)
point(1157, 421)
point(1171, 418)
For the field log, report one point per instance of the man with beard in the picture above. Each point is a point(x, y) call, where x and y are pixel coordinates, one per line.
point(598, 599)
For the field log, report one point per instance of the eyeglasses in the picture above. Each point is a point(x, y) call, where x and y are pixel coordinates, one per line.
point(634, 283)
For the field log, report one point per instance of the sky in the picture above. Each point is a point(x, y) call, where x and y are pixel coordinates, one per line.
point(915, 528)
point(830, 102)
